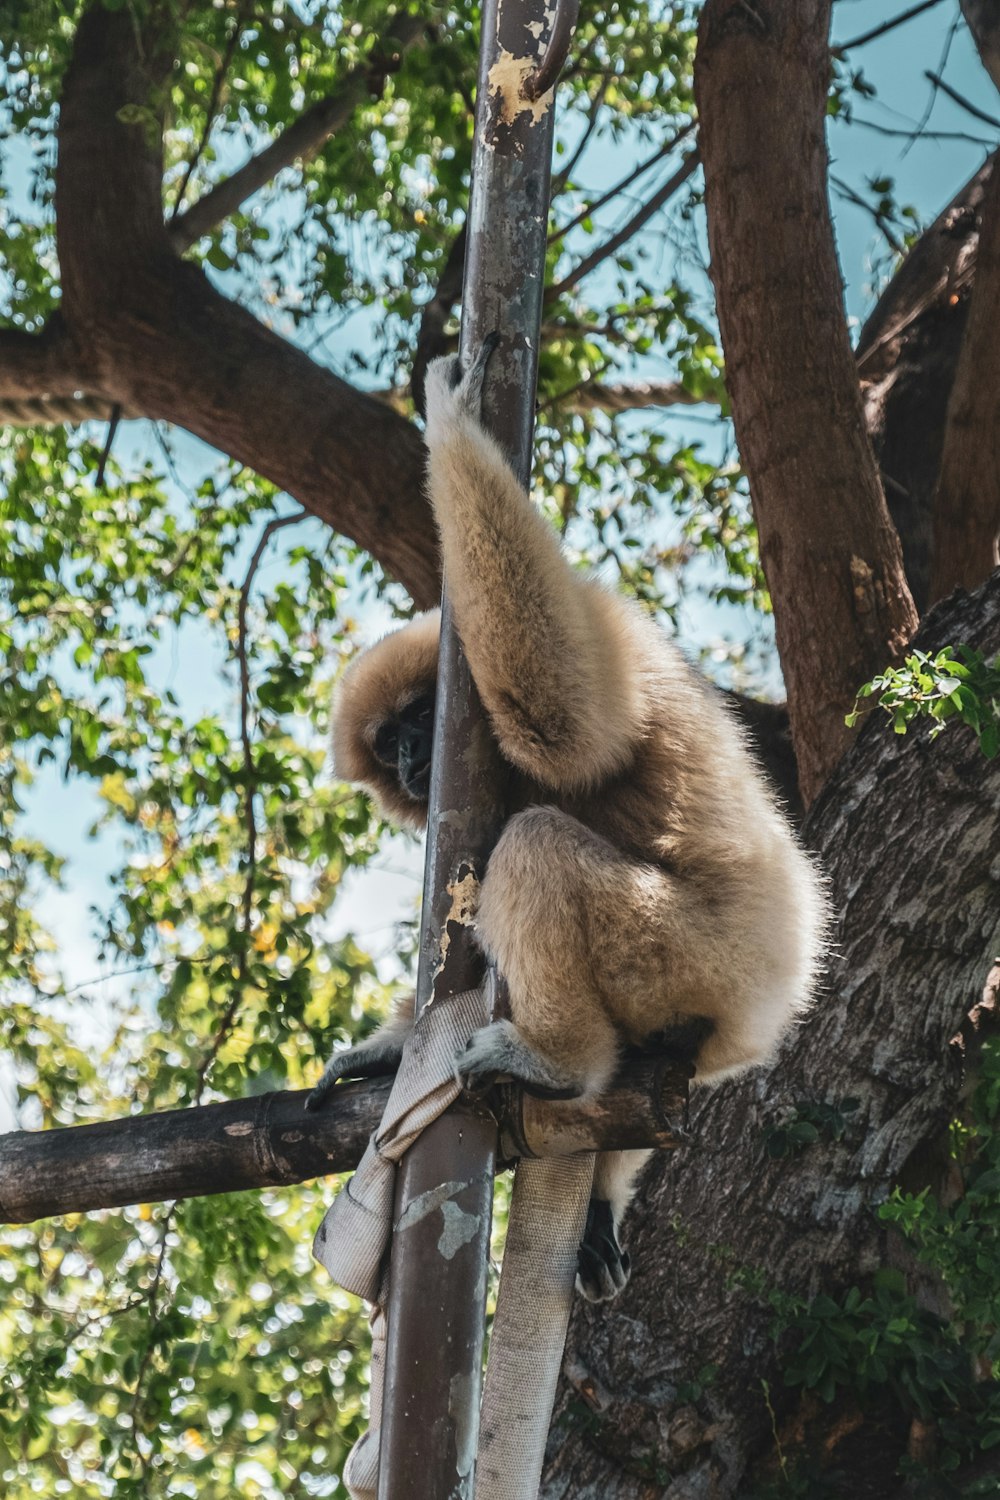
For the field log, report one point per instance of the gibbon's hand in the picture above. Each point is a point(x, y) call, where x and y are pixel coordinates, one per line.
point(453, 395)
point(379, 1055)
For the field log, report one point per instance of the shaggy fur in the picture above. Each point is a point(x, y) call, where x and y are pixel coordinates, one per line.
point(646, 874)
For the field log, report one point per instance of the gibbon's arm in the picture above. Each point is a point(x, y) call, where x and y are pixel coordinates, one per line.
point(553, 655)
point(374, 1058)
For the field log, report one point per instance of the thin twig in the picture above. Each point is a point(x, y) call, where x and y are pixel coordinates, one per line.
point(299, 141)
point(590, 262)
point(929, 110)
point(620, 187)
point(152, 1300)
point(846, 191)
point(102, 463)
point(276, 524)
point(561, 178)
point(877, 31)
point(960, 99)
point(926, 135)
point(213, 104)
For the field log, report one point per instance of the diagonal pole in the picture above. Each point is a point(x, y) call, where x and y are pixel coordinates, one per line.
point(437, 1303)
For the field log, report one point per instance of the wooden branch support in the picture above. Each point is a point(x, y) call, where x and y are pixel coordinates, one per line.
point(271, 1141)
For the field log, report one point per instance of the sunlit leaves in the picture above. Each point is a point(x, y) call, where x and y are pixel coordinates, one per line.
point(138, 1348)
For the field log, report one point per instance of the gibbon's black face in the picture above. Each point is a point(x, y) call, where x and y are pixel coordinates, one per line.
point(403, 744)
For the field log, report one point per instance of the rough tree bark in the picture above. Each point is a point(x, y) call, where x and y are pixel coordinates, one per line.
point(829, 550)
point(908, 831)
point(967, 503)
point(907, 354)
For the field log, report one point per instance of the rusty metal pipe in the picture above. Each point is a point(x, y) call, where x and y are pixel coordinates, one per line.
point(437, 1303)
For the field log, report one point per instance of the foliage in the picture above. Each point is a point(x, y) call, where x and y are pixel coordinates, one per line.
point(957, 684)
point(191, 1339)
point(806, 1123)
point(880, 1343)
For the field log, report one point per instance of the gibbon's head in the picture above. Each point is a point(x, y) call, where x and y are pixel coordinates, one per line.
point(383, 720)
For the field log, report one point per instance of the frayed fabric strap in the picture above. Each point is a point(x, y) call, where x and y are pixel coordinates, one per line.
point(354, 1236)
point(548, 1214)
point(547, 1218)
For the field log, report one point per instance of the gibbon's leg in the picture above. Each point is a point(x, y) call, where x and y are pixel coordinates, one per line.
point(373, 1058)
point(550, 652)
point(598, 951)
point(602, 1266)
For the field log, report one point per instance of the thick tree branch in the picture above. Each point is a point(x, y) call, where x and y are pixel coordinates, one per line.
point(629, 395)
point(42, 372)
point(907, 354)
point(829, 550)
point(165, 344)
point(967, 504)
point(299, 141)
point(271, 1141)
point(984, 23)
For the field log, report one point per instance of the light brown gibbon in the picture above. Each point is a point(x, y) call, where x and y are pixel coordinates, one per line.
point(645, 876)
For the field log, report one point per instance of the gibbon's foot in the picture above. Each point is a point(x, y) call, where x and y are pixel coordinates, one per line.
point(602, 1266)
point(447, 384)
point(682, 1040)
point(371, 1059)
point(499, 1051)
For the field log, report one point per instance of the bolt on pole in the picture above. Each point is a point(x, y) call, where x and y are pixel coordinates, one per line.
point(437, 1303)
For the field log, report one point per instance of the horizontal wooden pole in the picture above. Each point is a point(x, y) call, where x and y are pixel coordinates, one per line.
point(271, 1141)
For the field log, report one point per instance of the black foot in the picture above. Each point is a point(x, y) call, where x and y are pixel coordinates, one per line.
point(602, 1266)
point(683, 1040)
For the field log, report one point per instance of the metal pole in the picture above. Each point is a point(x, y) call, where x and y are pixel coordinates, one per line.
point(437, 1303)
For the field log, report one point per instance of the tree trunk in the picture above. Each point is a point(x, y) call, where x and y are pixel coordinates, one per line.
point(907, 354)
point(829, 550)
point(967, 503)
point(908, 831)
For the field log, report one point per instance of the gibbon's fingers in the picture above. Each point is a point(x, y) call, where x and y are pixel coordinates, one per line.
point(499, 1051)
point(364, 1061)
point(470, 392)
point(473, 381)
point(464, 388)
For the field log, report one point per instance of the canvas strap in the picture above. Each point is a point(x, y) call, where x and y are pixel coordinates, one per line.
point(547, 1217)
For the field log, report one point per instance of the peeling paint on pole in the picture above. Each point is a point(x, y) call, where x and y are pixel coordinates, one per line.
point(506, 80)
point(437, 1306)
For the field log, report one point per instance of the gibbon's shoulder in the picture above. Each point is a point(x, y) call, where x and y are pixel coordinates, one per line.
point(380, 682)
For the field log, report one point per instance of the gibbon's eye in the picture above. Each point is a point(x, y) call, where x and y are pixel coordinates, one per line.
point(386, 745)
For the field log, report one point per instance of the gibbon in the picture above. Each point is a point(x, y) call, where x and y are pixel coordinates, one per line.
point(645, 877)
